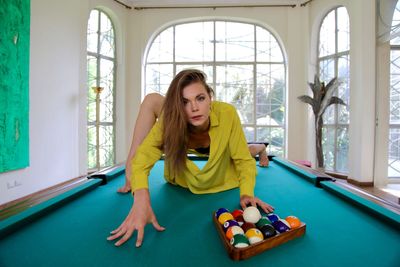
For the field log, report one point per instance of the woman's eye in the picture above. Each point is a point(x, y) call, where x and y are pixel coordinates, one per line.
point(201, 98)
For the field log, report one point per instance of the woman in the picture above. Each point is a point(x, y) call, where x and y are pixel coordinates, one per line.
point(190, 121)
point(150, 111)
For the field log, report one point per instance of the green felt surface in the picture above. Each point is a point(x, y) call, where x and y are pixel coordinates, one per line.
point(338, 233)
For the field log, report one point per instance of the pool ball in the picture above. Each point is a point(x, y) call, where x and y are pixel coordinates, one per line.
point(225, 217)
point(293, 221)
point(281, 226)
point(251, 214)
point(239, 241)
point(254, 235)
point(233, 231)
point(246, 226)
point(220, 211)
point(240, 220)
point(236, 213)
point(268, 231)
point(263, 221)
point(273, 217)
point(229, 223)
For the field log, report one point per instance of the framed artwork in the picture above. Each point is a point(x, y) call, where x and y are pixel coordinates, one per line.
point(14, 84)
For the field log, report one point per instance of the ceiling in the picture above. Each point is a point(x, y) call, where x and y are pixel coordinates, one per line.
point(189, 3)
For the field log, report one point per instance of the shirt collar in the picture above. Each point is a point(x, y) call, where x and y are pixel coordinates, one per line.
point(213, 117)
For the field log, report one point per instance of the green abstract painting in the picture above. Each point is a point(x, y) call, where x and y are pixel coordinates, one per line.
point(14, 84)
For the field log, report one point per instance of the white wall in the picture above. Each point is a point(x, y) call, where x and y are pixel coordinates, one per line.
point(58, 80)
point(57, 96)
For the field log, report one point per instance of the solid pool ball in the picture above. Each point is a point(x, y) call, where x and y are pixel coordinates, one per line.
point(281, 226)
point(236, 213)
point(246, 226)
point(220, 211)
point(240, 220)
point(251, 214)
point(239, 241)
point(254, 235)
point(263, 221)
point(225, 217)
point(268, 231)
point(293, 221)
point(273, 217)
point(234, 230)
point(229, 223)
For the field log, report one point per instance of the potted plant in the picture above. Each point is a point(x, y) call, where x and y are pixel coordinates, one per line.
point(321, 100)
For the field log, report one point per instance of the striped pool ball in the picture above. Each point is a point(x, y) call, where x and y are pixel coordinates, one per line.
point(233, 231)
point(239, 241)
point(281, 226)
point(229, 223)
point(254, 235)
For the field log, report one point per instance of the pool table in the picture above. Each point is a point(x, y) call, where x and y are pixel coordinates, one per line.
point(342, 229)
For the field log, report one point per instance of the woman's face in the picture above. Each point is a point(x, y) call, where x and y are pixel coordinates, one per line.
point(197, 104)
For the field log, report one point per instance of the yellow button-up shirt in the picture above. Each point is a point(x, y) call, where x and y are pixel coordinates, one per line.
point(229, 165)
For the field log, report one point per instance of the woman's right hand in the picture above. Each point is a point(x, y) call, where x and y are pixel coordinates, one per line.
point(140, 214)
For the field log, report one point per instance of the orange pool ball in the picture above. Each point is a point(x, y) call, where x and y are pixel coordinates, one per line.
point(233, 230)
point(293, 221)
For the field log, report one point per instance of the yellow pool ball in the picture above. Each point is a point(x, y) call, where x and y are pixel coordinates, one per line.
point(254, 235)
point(225, 217)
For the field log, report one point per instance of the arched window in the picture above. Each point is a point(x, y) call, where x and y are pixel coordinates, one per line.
point(244, 64)
point(334, 61)
point(394, 108)
point(101, 89)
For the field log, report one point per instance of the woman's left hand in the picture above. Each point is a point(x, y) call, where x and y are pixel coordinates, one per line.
point(245, 200)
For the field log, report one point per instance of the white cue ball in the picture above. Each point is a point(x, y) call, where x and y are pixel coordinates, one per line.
point(251, 214)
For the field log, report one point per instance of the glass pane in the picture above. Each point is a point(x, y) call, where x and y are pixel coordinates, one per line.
point(106, 36)
point(327, 35)
point(343, 90)
point(235, 85)
point(207, 69)
point(342, 150)
point(328, 146)
point(275, 136)
point(395, 25)
point(249, 133)
point(395, 88)
point(158, 78)
point(161, 49)
point(394, 153)
point(343, 29)
point(234, 41)
point(194, 42)
point(326, 69)
point(268, 49)
point(91, 146)
point(106, 96)
point(92, 81)
point(270, 94)
point(106, 145)
point(93, 26)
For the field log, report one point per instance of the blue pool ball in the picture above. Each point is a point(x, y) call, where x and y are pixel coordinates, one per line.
point(272, 217)
point(220, 211)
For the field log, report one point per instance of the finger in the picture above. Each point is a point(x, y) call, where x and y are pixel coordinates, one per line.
point(116, 230)
point(116, 235)
point(126, 236)
point(157, 226)
point(140, 235)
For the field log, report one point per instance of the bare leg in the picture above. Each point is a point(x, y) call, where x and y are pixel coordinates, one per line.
point(149, 111)
point(260, 150)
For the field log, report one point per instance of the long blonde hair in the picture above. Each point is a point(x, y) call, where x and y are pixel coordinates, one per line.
point(175, 132)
